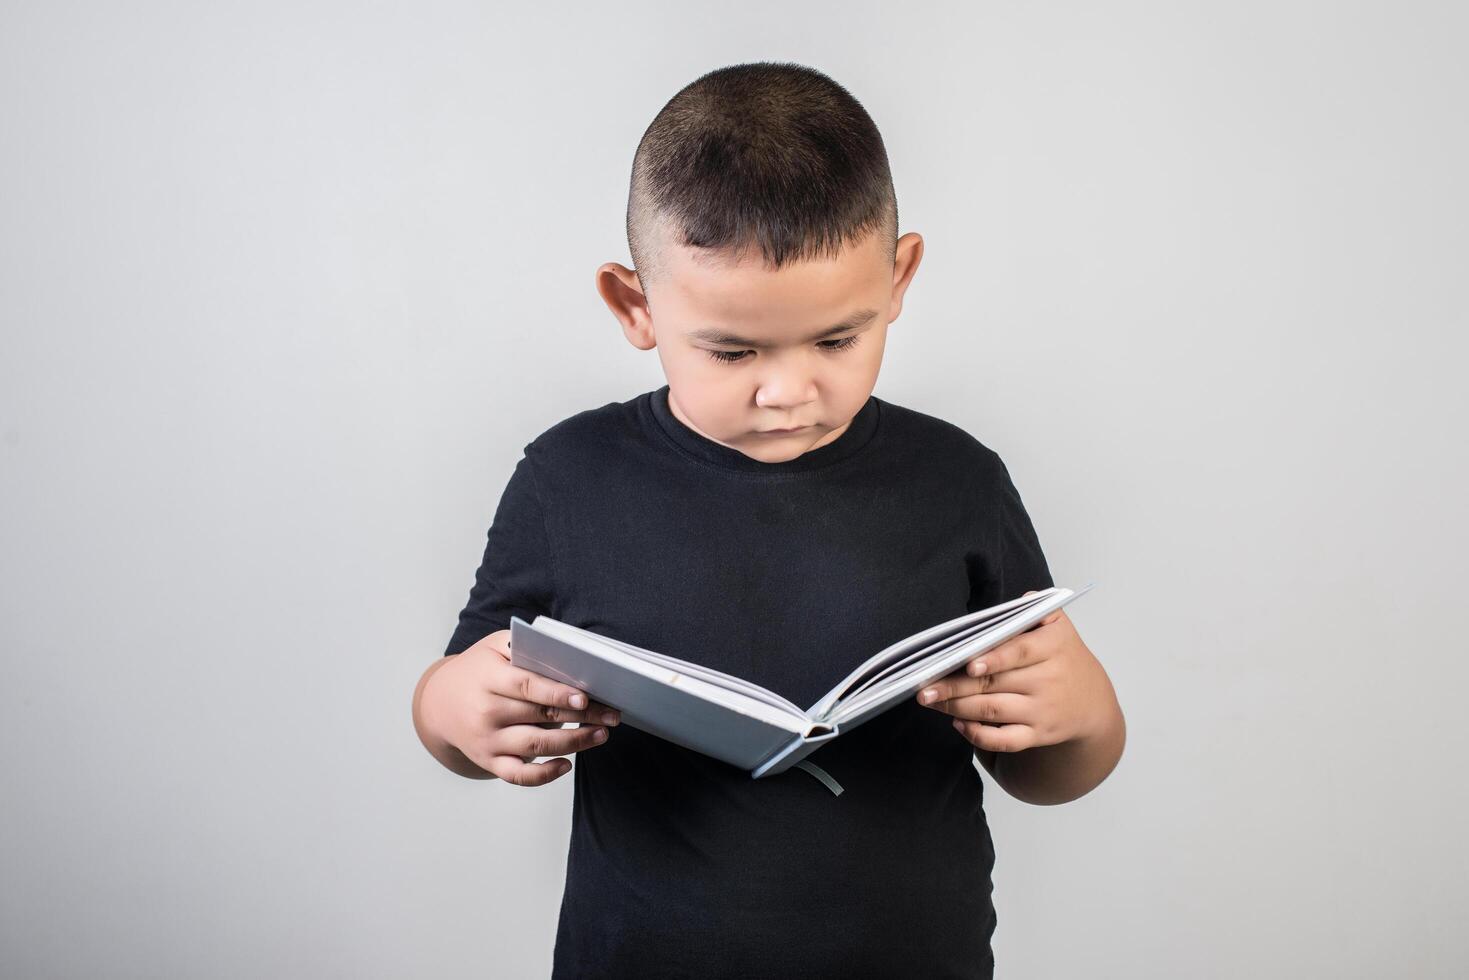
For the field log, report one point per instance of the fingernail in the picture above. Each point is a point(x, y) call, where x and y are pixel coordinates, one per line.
point(599, 735)
point(976, 669)
point(578, 700)
point(929, 696)
point(609, 717)
point(958, 725)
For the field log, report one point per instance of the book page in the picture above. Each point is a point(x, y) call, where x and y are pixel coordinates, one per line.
point(888, 670)
point(947, 659)
point(924, 641)
point(708, 674)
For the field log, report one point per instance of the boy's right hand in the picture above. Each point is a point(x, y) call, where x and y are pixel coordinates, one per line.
point(501, 716)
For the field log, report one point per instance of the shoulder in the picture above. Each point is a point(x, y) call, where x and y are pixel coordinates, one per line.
point(940, 442)
point(587, 424)
point(586, 436)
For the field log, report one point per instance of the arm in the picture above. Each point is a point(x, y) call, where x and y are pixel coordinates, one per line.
point(1065, 728)
point(1045, 775)
point(449, 757)
point(513, 579)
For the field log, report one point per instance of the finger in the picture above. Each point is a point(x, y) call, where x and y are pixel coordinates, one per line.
point(1019, 651)
point(524, 685)
point(534, 741)
point(522, 773)
point(996, 738)
point(954, 685)
point(998, 709)
point(1022, 680)
point(513, 711)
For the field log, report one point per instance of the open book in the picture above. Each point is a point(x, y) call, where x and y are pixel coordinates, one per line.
point(742, 723)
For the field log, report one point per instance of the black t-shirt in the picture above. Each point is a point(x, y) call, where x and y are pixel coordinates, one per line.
point(624, 521)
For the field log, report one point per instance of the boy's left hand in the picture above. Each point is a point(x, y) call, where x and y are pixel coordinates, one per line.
point(1042, 687)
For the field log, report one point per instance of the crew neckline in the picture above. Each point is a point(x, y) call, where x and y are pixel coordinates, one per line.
point(857, 435)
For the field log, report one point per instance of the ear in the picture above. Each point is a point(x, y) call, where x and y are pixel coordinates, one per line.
point(905, 263)
point(623, 293)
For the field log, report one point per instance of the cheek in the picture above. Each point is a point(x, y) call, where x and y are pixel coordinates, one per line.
point(859, 376)
point(697, 376)
point(714, 400)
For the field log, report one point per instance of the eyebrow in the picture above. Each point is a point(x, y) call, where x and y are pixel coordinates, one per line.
point(714, 335)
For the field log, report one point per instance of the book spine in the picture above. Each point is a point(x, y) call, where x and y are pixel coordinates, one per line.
point(791, 753)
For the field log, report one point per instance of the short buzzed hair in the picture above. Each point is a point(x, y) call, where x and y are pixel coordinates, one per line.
point(771, 155)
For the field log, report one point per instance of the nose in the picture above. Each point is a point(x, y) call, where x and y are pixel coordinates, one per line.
point(786, 388)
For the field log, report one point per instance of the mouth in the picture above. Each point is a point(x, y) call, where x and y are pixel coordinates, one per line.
point(781, 432)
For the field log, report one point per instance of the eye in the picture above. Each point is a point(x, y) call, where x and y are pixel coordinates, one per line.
point(733, 357)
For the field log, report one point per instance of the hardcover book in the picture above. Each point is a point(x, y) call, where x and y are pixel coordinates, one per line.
point(742, 723)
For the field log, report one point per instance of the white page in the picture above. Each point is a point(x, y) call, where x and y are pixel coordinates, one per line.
point(948, 642)
point(909, 681)
point(708, 674)
point(918, 640)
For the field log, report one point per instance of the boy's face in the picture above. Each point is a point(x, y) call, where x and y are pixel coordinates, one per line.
point(747, 350)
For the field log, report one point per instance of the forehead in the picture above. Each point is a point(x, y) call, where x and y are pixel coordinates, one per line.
point(714, 287)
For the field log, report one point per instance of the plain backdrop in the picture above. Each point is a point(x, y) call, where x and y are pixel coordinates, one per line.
point(285, 289)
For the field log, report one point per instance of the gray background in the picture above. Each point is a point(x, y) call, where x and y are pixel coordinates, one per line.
point(282, 287)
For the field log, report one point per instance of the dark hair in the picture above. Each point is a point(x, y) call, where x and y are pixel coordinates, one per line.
point(773, 155)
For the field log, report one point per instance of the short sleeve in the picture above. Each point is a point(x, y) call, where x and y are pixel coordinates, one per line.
point(1010, 562)
point(515, 577)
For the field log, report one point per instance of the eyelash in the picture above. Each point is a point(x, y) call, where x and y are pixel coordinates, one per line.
point(729, 357)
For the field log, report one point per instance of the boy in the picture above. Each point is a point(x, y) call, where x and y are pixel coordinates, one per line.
point(763, 513)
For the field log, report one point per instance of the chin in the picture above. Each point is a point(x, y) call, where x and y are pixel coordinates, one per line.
point(770, 454)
